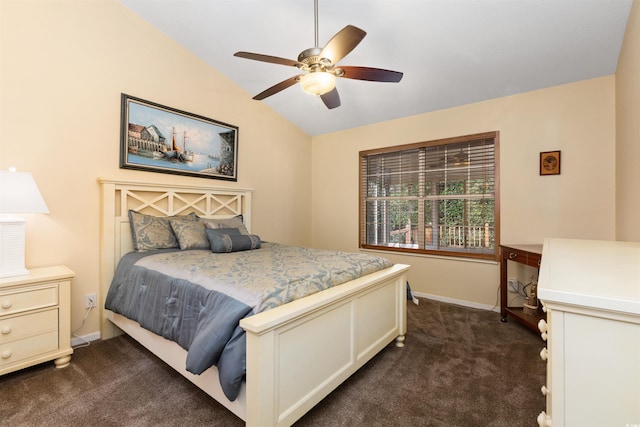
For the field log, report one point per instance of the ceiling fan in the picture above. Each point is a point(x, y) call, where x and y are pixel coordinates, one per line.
point(320, 66)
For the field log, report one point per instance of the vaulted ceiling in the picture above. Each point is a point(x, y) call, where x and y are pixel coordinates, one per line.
point(452, 52)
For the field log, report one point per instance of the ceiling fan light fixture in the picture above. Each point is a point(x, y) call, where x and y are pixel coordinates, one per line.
point(319, 66)
point(318, 82)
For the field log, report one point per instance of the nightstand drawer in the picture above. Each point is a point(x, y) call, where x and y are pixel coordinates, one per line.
point(16, 351)
point(27, 325)
point(18, 300)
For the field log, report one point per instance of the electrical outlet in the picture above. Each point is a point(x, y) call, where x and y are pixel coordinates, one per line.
point(90, 300)
point(514, 285)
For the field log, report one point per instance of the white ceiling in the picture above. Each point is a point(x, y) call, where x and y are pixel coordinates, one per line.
point(452, 52)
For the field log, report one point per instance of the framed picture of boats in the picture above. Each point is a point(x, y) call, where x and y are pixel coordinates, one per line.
point(161, 139)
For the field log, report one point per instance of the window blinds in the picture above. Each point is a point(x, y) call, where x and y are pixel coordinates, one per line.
point(448, 184)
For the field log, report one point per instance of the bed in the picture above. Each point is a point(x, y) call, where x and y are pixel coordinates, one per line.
point(296, 353)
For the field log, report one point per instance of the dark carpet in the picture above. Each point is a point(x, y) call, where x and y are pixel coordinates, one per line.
point(460, 367)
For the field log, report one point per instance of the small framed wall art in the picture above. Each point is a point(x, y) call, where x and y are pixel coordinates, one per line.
point(550, 163)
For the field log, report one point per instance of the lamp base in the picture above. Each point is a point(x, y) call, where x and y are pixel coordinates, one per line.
point(12, 233)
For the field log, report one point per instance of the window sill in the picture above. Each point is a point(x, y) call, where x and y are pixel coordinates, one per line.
point(442, 257)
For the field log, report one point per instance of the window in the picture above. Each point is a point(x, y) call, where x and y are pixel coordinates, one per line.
point(436, 197)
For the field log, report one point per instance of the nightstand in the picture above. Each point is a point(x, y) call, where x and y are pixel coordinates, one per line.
point(35, 318)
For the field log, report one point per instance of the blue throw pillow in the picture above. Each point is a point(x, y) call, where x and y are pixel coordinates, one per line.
point(224, 242)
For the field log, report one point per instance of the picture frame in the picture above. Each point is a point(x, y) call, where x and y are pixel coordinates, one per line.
point(550, 163)
point(157, 138)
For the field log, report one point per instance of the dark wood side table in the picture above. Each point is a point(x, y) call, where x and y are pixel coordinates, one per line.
point(524, 254)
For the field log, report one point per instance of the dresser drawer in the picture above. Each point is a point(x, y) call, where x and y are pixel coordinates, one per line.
point(16, 351)
point(30, 298)
point(22, 326)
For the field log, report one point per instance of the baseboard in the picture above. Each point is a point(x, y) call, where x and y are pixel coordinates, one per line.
point(83, 340)
point(461, 302)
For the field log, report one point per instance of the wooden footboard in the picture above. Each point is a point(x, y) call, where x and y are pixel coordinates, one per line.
point(298, 353)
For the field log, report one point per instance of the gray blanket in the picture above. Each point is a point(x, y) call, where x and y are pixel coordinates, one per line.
point(197, 298)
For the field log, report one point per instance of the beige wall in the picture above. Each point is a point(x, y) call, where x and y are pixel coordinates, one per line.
point(64, 64)
point(628, 132)
point(578, 119)
point(63, 67)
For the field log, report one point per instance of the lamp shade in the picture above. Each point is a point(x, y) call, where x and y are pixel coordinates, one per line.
point(318, 82)
point(19, 194)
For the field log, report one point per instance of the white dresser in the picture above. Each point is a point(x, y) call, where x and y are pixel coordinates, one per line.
point(591, 293)
point(35, 320)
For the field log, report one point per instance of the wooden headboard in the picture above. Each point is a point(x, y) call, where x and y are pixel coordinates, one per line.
point(118, 197)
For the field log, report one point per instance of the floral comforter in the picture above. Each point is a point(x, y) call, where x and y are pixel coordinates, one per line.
point(197, 298)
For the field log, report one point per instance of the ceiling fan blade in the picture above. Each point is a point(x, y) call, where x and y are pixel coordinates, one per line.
point(342, 43)
point(277, 88)
point(371, 74)
point(267, 58)
point(331, 99)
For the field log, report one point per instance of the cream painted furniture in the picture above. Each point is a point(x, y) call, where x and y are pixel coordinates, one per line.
point(591, 292)
point(35, 320)
point(296, 353)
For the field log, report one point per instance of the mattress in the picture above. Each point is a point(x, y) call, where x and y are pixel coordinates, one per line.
point(197, 298)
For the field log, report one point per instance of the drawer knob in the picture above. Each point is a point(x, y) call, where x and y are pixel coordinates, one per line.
point(6, 304)
point(6, 354)
point(542, 325)
point(512, 255)
point(544, 353)
point(544, 420)
point(6, 330)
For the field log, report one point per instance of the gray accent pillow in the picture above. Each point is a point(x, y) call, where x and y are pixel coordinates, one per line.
point(190, 234)
point(154, 232)
point(229, 231)
point(224, 243)
point(233, 222)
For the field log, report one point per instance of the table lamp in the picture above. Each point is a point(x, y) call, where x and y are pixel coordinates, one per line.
point(19, 194)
